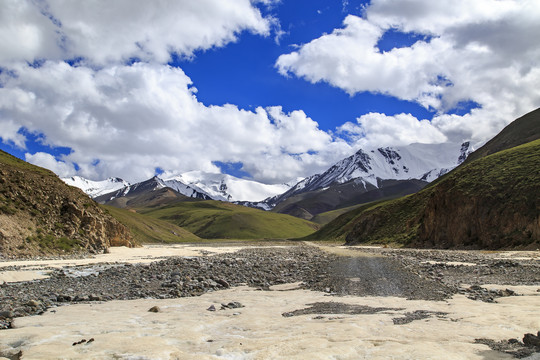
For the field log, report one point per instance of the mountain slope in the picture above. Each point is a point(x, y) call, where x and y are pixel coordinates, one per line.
point(40, 214)
point(521, 131)
point(146, 229)
point(222, 220)
point(490, 203)
point(308, 205)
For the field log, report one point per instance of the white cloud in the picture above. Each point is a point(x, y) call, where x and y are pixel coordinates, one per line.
point(484, 51)
point(147, 30)
point(10, 134)
point(127, 120)
point(375, 129)
point(48, 161)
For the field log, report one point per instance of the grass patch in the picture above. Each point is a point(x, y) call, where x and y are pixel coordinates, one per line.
point(147, 229)
point(221, 220)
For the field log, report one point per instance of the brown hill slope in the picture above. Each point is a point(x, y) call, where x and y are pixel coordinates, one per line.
point(39, 214)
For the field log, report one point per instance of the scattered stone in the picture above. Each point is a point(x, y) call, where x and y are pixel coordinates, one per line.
point(79, 342)
point(154, 309)
point(336, 308)
point(89, 341)
point(232, 305)
point(417, 315)
point(211, 308)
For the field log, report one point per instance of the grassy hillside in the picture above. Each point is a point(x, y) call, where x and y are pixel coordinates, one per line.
point(146, 229)
point(492, 202)
point(215, 219)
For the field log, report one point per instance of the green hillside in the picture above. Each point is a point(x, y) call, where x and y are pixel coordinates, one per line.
point(146, 229)
point(492, 202)
point(221, 220)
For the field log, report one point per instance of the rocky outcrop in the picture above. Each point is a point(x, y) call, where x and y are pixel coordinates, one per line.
point(453, 219)
point(39, 214)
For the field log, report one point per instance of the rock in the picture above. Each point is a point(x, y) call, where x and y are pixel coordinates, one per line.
point(6, 314)
point(223, 283)
point(34, 303)
point(532, 340)
point(231, 305)
point(154, 309)
point(211, 308)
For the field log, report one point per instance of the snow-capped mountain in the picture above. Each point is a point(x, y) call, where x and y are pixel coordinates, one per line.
point(153, 184)
point(367, 166)
point(226, 187)
point(415, 161)
point(194, 184)
point(96, 188)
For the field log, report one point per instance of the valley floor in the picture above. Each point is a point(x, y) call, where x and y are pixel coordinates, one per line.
point(288, 300)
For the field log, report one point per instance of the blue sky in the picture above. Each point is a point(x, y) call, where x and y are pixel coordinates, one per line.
point(269, 90)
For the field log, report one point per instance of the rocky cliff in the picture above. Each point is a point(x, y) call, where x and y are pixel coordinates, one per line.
point(39, 214)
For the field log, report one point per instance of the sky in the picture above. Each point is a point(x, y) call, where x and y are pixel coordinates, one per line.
point(269, 90)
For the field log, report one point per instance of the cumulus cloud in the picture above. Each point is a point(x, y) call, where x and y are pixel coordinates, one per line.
point(482, 52)
point(48, 161)
point(128, 120)
point(375, 129)
point(145, 30)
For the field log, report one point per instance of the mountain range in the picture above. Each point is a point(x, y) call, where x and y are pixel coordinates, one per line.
point(364, 176)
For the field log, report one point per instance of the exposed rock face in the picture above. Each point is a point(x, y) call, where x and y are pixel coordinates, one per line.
point(39, 214)
point(452, 219)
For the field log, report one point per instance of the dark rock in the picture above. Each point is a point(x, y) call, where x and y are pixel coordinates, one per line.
point(532, 340)
point(223, 283)
point(231, 305)
point(154, 309)
point(6, 314)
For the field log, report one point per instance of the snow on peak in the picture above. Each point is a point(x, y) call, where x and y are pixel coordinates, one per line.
point(415, 161)
point(226, 187)
point(96, 188)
